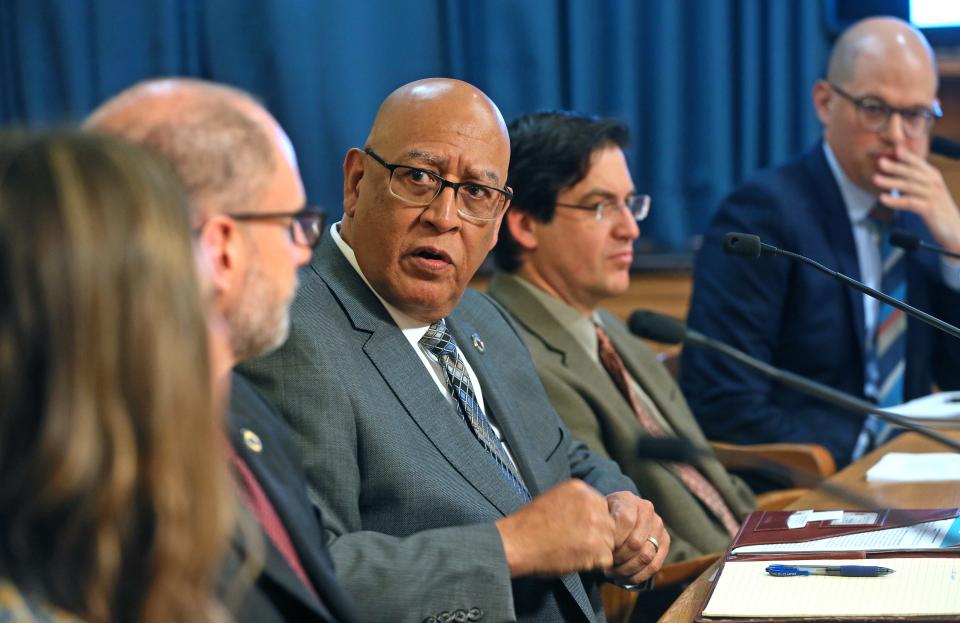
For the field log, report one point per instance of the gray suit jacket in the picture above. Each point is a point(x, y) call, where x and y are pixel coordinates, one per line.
point(407, 494)
point(589, 402)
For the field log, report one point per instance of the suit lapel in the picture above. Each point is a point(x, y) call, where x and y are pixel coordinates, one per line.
point(835, 222)
point(281, 479)
point(494, 393)
point(275, 565)
point(401, 369)
point(665, 394)
point(512, 426)
point(514, 432)
point(536, 319)
point(654, 379)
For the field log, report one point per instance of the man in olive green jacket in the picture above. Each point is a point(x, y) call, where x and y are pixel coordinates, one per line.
point(565, 246)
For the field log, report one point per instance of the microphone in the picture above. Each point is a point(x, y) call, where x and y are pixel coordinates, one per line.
point(680, 450)
point(745, 245)
point(661, 328)
point(749, 245)
point(911, 242)
point(943, 146)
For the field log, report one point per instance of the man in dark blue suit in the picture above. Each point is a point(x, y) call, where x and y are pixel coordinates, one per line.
point(877, 106)
point(253, 232)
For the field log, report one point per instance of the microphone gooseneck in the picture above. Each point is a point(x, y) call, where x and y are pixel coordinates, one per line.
point(653, 326)
point(909, 310)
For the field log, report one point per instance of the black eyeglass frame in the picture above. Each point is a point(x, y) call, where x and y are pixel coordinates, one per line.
point(310, 220)
point(599, 207)
point(506, 194)
point(929, 115)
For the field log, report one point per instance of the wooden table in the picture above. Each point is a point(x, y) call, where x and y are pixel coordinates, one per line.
point(884, 495)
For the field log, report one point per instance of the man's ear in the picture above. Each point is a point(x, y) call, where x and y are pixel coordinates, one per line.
point(218, 252)
point(523, 228)
point(822, 94)
point(352, 174)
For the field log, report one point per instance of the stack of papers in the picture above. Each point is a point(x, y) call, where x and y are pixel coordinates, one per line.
point(916, 467)
point(940, 410)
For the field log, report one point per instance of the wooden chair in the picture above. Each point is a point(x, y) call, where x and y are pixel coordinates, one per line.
point(797, 461)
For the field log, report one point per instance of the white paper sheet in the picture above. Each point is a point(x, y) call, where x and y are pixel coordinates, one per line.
point(940, 410)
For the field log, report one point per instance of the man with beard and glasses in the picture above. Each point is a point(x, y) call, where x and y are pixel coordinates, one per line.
point(253, 230)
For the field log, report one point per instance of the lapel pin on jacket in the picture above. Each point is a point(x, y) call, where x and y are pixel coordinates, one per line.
point(252, 440)
point(477, 342)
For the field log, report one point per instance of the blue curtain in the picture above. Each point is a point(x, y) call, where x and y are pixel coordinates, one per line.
point(712, 89)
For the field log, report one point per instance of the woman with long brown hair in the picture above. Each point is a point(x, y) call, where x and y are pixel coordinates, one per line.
point(114, 495)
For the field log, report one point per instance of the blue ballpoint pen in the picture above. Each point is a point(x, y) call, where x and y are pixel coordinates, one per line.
point(857, 571)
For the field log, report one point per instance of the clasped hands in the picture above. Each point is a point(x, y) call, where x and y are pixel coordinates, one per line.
point(572, 528)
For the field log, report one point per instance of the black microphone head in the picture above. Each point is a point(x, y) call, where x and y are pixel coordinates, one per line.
point(657, 327)
point(745, 245)
point(673, 449)
point(905, 240)
point(943, 146)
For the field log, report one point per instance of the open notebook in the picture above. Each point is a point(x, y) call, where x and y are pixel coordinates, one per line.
point(919, 587)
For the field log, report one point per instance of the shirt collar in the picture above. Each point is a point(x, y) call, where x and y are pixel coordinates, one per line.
point(859, 202)
point(412, 328)
point(580, 328)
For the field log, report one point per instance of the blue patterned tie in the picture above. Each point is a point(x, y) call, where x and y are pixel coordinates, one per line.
point(438, 343)
point(886, 352)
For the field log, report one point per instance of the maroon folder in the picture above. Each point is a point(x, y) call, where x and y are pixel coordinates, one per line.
point(768, 527)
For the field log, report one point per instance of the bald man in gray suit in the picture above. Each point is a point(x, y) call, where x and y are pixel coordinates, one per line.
point(450, 488)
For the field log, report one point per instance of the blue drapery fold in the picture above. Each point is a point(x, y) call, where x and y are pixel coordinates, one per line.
point(712, 89)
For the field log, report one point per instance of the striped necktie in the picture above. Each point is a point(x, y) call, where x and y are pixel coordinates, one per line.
point(886, 351)
point(689, 475)
point(438, 343)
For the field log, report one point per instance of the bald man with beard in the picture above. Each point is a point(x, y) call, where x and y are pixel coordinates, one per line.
point(252, 231)
point(450, 488)
point(836, 204)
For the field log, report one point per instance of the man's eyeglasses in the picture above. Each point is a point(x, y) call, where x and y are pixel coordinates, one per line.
point(420, 187)
point(306, 225)
point(874, 114)
point(637, 205)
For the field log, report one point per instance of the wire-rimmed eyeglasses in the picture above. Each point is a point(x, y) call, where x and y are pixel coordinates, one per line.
point(637, 205)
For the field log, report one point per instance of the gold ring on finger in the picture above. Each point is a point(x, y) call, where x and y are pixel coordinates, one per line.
point(655, 543)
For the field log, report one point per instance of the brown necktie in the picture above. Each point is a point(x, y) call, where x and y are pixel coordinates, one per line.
point(688, 474)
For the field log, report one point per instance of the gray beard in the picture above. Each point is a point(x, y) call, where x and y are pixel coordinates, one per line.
point(260, 322)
